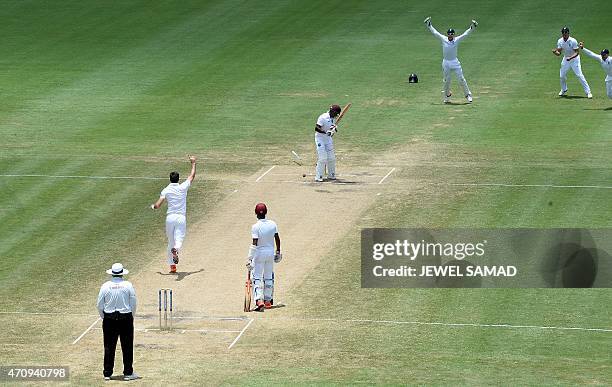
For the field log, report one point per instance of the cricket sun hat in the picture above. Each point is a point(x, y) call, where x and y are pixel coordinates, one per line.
point(117, 269)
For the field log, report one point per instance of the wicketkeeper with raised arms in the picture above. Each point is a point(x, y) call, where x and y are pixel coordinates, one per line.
point(325, 129)
point(262, 257)
point(450, 61)
point(176, 224)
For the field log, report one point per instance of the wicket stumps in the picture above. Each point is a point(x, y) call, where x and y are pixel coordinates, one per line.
point(167, 296)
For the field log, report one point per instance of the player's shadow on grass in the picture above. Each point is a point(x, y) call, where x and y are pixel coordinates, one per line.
point(453, 103)
point(604, 109)
point(180, 275)
point(573, 97)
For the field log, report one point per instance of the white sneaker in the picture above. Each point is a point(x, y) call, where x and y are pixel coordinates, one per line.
point(133, 376)
point(107, 378)
point(469, 98)
point(331, 177)
point(590, 96)
point(318, 179)
point(562, 92)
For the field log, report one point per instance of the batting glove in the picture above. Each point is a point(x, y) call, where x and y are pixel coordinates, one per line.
point(278, 257)
point(249, 265)
point(427, 21)
point(474, 23)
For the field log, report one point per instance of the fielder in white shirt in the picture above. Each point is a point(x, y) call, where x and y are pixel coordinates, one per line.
point(571, 60)
point(262, 257)
point(325, 129)
point(450, 61)
point(176, 224)
point(606, 63)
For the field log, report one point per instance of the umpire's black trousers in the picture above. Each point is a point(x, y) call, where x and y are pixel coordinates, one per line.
point(118, 325)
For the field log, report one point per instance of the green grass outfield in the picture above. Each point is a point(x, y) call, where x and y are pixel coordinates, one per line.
point(128, 88)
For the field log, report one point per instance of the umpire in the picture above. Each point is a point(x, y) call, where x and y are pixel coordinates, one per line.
point(117, 306)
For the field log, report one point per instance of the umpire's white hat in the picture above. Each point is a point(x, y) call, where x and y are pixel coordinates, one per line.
point(117, 269)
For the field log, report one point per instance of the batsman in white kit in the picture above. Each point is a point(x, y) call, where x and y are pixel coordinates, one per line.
point(571, 60)
point(606, 63)
point(325, 129)
point(450, 61)
point(176, 224)
point(262, 257)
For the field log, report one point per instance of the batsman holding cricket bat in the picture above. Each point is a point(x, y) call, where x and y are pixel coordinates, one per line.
point(262, 258)
point(324, 133)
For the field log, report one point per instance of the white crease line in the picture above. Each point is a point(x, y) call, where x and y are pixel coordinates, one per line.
point(89, 177)
point(530, 185)
point(48, 313)
point(184, 330)
point(477, 325)
point(240, 335)
point(387, 175)
point(87, 330)
point(264, 174)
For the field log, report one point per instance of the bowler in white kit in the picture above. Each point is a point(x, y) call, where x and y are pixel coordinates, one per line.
point(176, 224)
point(606, 63)
point(450, 61)
point(571, 60)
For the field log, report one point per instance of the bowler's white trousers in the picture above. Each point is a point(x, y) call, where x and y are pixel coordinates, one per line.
point(176, 228)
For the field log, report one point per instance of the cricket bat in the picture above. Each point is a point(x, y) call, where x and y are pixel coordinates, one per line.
point(247, 293)
point(343, 111)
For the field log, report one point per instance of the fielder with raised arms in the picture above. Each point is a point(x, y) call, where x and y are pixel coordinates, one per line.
point(450, 61)
point(262, 257)
point(606, 63)
point(571, 60)
point(176, 224)
point(325, 129)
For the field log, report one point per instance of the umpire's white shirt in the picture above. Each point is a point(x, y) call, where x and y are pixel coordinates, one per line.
point(176, 196)
point(325, 122)
point(264, 231)
point(568, 46)
point(117, 295)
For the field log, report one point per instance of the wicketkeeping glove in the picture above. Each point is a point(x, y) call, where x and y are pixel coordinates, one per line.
point(278, 257)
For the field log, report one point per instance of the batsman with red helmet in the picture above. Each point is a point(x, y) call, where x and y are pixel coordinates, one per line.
point(324, 131)
point(262, 257)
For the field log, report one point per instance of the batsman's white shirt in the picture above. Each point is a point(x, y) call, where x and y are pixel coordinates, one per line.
point(264, 231)
point(605, 64)
point(449, 47)
point(176, 196)
point(117, 295)
point(568, 46)
point(325, 122)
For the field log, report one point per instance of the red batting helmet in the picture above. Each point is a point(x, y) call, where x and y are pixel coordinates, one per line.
point(261, 209)
point(334, 110)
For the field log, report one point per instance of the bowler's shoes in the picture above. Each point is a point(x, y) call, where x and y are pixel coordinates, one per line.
point(133, 376)
point(590, 96)
point(175, 257)
point(562, 93)
point(469, 98)
point(259, 306)
point(268, 304)
point(172, 268)
point(318, 180)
